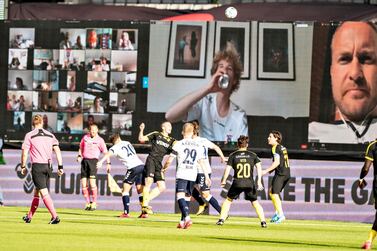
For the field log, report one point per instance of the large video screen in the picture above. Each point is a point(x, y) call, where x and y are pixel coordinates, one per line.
point(286, 81)
point(87, 75)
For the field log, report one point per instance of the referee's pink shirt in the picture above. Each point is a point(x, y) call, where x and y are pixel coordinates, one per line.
point(39, 143)
point(91, 148)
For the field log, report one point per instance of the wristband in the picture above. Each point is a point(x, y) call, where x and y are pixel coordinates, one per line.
point(60, 167)
point(79, 156)
point(109, 163)
point(22, 167)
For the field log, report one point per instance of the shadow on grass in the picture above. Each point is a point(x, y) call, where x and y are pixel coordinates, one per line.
point(279, 242)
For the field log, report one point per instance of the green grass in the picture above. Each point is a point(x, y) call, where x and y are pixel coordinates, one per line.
point(102, 230)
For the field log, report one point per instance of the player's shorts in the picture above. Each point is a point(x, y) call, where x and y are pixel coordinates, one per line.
point(278, 183)
point(40, 174)
point(184, 186)
point(201, 182)
point(153, 169)
point(132, 174)
point(139, 179)
point(89, 168)
point(250, 192)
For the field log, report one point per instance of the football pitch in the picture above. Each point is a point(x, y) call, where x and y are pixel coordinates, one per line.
point(103, 230)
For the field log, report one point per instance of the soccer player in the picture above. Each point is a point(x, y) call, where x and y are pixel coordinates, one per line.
point(370, 156)
point(200, 185)
point(126, 153)
point(282, 173)
point(161, 145)
point(189, 153)
point(242, 161)
point(91, 146)
point(40, 143)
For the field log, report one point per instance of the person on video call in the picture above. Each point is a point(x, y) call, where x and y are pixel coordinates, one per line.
point(220, 119)
point(354, 86)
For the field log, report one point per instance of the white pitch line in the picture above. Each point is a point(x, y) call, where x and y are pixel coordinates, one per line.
point(110, 218)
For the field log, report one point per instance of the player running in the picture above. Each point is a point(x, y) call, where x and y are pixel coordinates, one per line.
point(282, 173)
point(91, 146)
point(190, 157)
point(126, 153)
point(200, 185)
point(370, 156)
point(242, 161)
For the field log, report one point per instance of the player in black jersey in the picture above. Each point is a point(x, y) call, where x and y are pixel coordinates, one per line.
point(242, 161)
point(162, 145)
point(370, 156)
point(282, 173)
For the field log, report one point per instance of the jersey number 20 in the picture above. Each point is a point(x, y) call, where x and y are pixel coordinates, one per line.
point(243, 170)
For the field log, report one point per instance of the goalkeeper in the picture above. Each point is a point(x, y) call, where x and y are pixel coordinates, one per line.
point(126, 153)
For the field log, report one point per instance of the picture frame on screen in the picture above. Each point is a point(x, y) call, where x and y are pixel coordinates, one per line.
point(276, 55)
point(187, 49)
point(20, 80)
point(238, 34)
point(21, 38)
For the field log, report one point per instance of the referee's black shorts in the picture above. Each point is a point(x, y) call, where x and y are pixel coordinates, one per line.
point(278, 183)
point(89, 168)
point(40, 174)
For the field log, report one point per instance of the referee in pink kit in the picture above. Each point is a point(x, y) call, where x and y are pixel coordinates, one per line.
point(91, 146)
point(40, 143)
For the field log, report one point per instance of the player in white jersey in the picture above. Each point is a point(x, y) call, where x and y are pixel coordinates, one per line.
point(200, 185)
point(126, 153)
point(190, 157)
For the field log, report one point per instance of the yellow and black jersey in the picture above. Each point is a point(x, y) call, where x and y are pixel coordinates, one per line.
point(280, 152)
point(243, 162)
point(371, 154)
point(161, 145)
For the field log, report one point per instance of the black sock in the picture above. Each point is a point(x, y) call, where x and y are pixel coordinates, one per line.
point(215, 204)
point(183, 207)
point(126, 203)
point(197, 197)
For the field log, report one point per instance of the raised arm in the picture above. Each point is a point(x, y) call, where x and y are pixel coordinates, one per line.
point(142, 137)
point(219, 152)
point(179, 110)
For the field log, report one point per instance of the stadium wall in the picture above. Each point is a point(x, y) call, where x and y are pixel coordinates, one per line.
point(308, 195)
